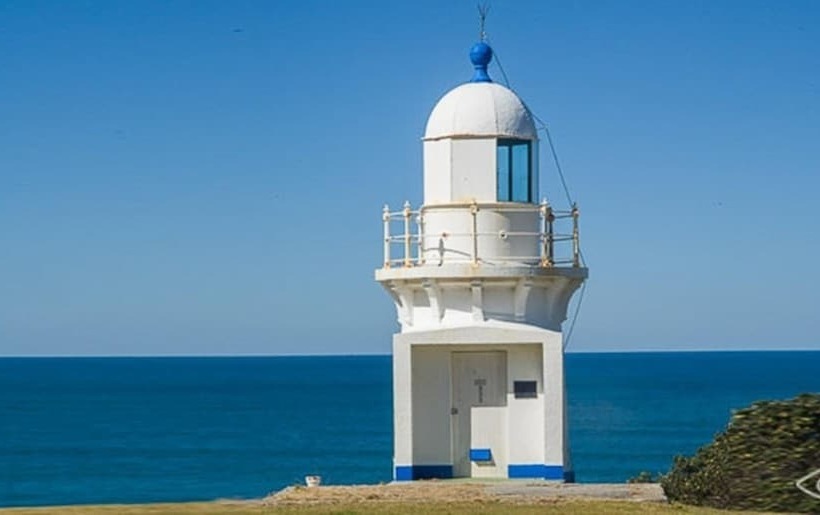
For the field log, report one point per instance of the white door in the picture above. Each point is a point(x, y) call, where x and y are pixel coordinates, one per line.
point(478, 379)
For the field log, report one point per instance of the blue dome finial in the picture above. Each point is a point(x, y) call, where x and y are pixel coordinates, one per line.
point(481, 54)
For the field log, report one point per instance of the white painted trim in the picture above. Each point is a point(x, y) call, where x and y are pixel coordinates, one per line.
point(478, 301)
point(522, 290)
point(434, 295)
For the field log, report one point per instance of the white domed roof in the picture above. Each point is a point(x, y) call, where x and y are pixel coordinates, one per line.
point(480, 109)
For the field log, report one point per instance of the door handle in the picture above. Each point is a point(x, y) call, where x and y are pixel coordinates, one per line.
point(453, 411)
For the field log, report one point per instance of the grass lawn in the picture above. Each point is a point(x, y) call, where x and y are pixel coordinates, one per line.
point(569, 507)
point(416, 498)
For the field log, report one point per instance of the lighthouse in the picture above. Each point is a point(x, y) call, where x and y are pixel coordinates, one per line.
point(481, 275)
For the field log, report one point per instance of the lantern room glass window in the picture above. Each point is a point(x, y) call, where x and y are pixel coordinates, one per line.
point(514, 170)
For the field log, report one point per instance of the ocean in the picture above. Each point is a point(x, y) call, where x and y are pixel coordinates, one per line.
point(130, 430)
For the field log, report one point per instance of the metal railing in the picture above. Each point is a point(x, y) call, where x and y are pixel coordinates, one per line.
point(410, 238)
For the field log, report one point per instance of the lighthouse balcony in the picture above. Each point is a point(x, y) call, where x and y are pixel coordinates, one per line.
point(481, 234)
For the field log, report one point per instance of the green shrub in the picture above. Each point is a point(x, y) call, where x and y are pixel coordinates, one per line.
point(643, 477)
point(755, 462)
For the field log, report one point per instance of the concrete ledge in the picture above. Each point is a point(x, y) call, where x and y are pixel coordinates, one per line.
point(467, 271)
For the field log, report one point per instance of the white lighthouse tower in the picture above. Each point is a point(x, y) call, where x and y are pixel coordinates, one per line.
point(481, 275)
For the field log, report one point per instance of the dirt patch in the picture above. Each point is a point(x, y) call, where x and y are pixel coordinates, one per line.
point(418, 491)
point(461, 492)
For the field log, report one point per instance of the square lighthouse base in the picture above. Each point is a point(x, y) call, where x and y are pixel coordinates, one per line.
point(482, 402)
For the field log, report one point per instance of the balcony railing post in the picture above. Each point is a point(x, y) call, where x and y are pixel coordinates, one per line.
point(576, 246)
point(550, 236)
point(420, 236)
point(474, 232)
point(407, 237)
point(546, 216)
point(386, 220)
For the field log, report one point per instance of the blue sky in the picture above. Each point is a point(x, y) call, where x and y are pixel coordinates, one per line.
point(207, 177)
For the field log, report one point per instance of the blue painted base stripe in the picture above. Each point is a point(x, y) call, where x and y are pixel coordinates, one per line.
point(413, 472)
point(536, 471)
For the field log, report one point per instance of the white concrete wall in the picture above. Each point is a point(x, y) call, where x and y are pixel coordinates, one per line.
point(460, 170)
point(539, 307)
point(422, 310)
point(473, 173)
point(402, 404)
point(457, 305)
point(498, 300)
point(526, 415)
point(554, 422)
point(437, 172)
point(527, 431)
point(503, 237)
point(447, 233)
